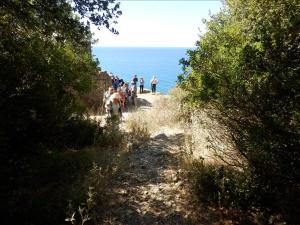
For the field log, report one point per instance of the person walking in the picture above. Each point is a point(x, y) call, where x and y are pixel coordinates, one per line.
point(116, 104)
point(106, 100)
point(115, 84)
point(133, 94)
point(123, 98)
point(126, 91)
point(154, 83)
point(134, 80)
point(141, 85)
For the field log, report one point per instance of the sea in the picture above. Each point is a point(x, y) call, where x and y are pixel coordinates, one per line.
point(126, 62)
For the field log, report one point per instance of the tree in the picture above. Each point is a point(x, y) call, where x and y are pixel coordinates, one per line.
point(247, 67)
point(46, 65)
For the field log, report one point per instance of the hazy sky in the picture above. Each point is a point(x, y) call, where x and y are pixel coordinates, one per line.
point(158, 23)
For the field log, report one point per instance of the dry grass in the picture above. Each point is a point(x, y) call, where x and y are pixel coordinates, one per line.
point(207, 145)
point(163, 114)
point(139, 133)
point(208, 139)
point(204, 137)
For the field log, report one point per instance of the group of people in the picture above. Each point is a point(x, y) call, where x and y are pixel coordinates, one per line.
point(153, 83)
point(120, 94)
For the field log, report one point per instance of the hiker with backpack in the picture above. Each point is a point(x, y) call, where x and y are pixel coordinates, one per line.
point(154, 83)
point(116, 104)
point(133, 96)
point(106, 100)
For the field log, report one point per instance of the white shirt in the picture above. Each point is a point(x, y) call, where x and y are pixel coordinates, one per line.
point(115, 95)
point(154, 81)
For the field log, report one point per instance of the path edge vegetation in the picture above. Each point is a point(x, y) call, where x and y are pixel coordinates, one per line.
point(245, 73)
point(52, 154)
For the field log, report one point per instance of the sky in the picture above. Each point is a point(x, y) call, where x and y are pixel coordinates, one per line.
point(146, 23)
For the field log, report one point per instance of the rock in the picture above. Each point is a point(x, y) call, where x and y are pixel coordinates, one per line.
point(178, 184)
point(161, 136)
point(159, 198)
point(138, 211)
point(175, 177)
point(123, 192)
point(169, 203)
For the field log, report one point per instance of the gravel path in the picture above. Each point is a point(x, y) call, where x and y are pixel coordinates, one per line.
point(151, 188)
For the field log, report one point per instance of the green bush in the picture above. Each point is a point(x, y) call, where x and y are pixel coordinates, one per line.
point(80, 132)
point(231, 190)
point(43, 184)
point(246, 67)
point(111, 135)
point(46, 67)
point(224, 187)
point(213, 184)
point(38, 189)
point(205, 181)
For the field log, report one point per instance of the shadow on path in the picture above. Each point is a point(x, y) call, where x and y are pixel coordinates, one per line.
point(143, 102)
point(151, 188)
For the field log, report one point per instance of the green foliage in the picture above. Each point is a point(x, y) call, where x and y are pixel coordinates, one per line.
point(79, 133)
point(232, 190)
point(46, 67)
point(204, 181)
point(38, 190)
point(223, 186)
point(247, 67)
point(111, 134)
point(46, 184)
point(87, 212)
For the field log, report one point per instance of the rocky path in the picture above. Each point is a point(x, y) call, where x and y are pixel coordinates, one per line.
point(152, 187)
point(150, 190)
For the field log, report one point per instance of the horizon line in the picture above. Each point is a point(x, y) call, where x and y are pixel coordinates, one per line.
point(97, 46)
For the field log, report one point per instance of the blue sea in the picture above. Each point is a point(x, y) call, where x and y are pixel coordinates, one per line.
point(144, 62)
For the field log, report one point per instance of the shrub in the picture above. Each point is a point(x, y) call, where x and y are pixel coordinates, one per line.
point(78, 133)
point(88, 211)
point(246, 68)
point(223, 186)
point(46, 67)
point(38, 188)
point(205, 181)
point(111, 135)
point(138, 133)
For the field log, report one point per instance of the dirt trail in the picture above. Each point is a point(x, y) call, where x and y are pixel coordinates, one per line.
point(151, 189)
